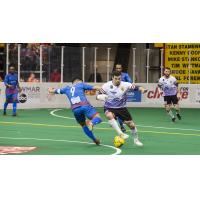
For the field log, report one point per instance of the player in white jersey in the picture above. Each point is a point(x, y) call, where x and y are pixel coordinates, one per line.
point(168, 84)
point(114, 95)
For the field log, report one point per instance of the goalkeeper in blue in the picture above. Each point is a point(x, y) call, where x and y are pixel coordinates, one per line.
point(80, 106)
point(12, 90)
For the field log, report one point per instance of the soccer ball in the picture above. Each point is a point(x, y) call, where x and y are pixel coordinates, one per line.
point(118, 141)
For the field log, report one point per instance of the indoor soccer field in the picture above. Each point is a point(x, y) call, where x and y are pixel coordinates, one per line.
point(55, 132)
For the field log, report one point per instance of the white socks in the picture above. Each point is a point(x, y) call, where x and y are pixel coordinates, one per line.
point(114, 124)
point(134, 132)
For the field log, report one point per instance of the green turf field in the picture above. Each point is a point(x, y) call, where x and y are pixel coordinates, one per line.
point(59, 134)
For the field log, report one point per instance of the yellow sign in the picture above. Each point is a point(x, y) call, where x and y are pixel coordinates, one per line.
point(178, 59)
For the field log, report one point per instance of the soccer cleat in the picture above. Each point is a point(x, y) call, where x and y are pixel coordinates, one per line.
point(173, 119)
point(123, 129)
point(97, 142)
point(137, 142)
point(179, 117)
point(14, 115)
point(4, 113)
point(124, 136)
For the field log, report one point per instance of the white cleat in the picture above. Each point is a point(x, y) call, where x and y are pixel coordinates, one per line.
point(124, 136)
point(137, 142)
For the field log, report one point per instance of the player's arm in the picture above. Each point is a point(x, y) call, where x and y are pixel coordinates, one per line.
point(102, 96)
point(178, 90)
point(128, 78)
point(6, 82)
point(135, 87)
point(160, 86)
point(56, 91)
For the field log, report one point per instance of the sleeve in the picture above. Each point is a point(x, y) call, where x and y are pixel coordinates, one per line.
point(128, 78)
point(103, 89)
point(175, 82)
point(61, 90)
point(88, 87)
point(160, 83)
point(6, 80)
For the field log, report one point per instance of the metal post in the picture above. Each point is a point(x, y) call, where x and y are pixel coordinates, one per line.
point(108, 63)
point(62, 62)
point(148, 53)
point(40, 63)
point(7, 57)
point(18, 60)
point(134, 65)
point(83, 64)
point(95, 64)
point(189, 63)
point(161, 61)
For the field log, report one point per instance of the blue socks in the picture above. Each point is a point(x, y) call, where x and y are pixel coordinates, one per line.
point(88, 133)
point(120, 121)
point(14, 107)
point(96, 120)
point(5, 106)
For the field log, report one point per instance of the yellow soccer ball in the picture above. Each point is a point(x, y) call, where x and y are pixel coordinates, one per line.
point(118, 141)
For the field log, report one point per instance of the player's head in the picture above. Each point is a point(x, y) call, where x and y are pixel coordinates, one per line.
point(118, 68)
point(11, 68)
point(167, 71)
point(77, 80)
point(116, 78)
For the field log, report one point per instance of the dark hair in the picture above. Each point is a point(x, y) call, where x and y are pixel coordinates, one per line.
point(115, 73)
point(76, 78)
point(167, 68)
point(11, 65)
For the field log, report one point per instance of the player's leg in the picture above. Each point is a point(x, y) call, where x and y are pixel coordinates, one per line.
point(91, 113)
point(168, 109)
point(15, 104)
point(8, 99)
point(127, 119)
point(80, 118)
point(111, 119)
point(134, 132)
point(121, 124)
point(176, 107)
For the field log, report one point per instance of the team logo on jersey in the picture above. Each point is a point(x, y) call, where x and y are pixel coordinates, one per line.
point(15, 150)
point(111, 86)
point(122, 88)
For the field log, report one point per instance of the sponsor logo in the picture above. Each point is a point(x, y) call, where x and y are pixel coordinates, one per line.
point(134, 96)
point(22, 98)
point(15, 150)
point(155, 94)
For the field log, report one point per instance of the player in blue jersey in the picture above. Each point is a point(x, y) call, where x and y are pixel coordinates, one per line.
point(81, 106)
point(12, 90)
point(124, 76)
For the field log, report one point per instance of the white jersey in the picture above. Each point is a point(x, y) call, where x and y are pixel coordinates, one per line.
point(168, 85)
point(116, 94)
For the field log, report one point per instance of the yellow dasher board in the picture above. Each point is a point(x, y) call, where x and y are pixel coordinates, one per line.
point(177, 58)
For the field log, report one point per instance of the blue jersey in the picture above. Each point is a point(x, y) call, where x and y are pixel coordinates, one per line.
point(11, 79)
point(125, 77)
point(76, 94)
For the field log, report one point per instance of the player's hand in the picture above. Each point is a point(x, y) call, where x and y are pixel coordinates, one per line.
point(179, 96)
point(51, 90)
point(20, 89)
point(142, 90)
point(9, 86)
point(97, 87)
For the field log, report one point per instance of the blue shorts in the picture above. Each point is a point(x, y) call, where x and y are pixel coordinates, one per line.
point(82, 112)
point(12, 98)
